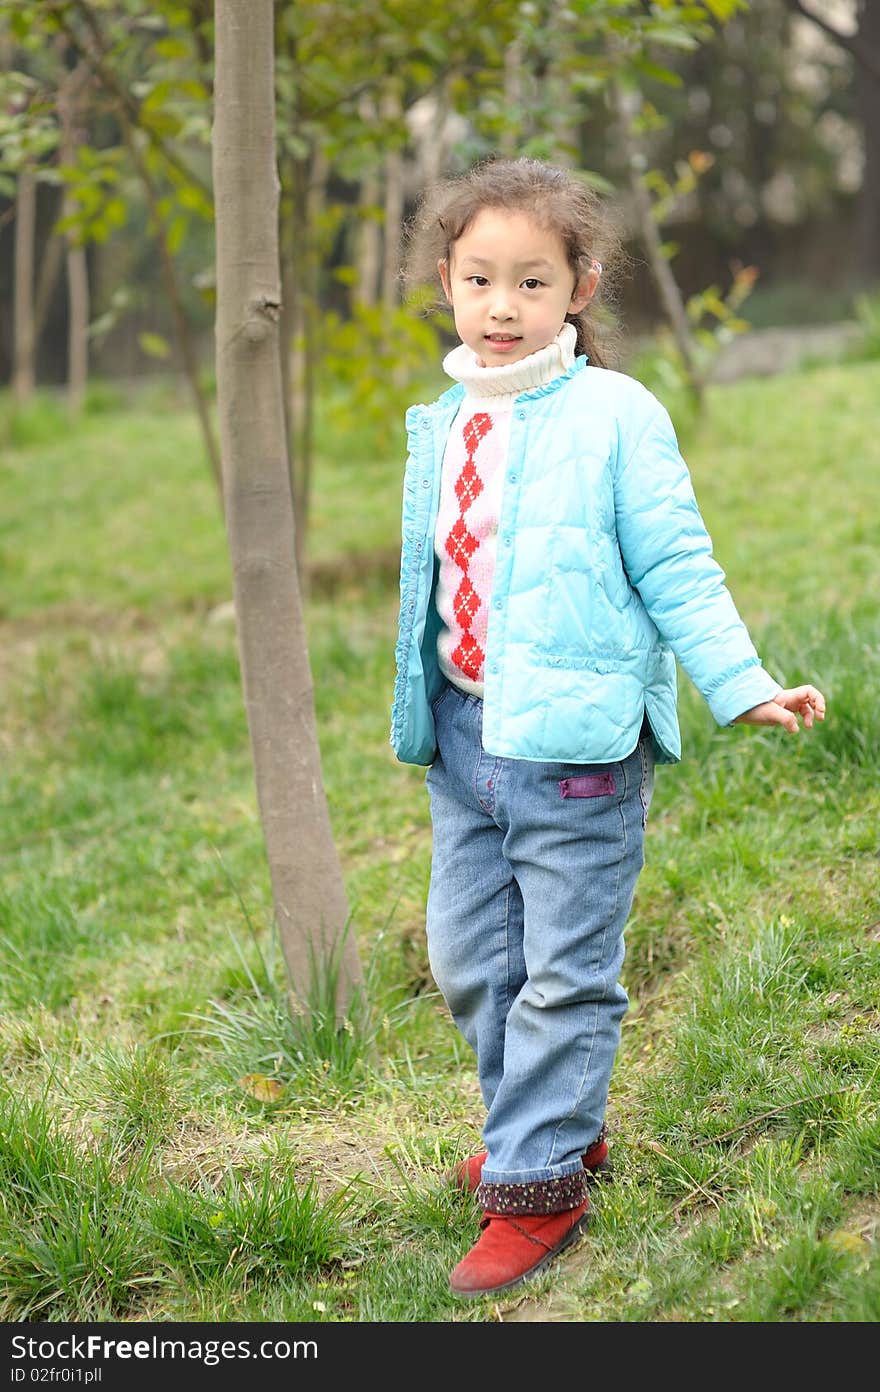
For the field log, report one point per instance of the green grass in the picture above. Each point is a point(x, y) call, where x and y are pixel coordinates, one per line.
point(176, 1144)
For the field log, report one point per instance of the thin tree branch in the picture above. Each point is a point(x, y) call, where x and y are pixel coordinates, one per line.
point(96, 58)
point(129, 114)
point(854, 45)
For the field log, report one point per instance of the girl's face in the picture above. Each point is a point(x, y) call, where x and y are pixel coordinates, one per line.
point(510, 286)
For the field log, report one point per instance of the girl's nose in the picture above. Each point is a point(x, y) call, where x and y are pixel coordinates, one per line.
point(502, 308)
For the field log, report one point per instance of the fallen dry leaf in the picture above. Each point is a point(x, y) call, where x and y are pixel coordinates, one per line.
point(262, 1088)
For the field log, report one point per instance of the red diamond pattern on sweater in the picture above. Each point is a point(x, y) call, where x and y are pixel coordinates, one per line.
point(466, 603)
point(468, 485)
point(469, 657)
point(461, 544)
point(474, 430)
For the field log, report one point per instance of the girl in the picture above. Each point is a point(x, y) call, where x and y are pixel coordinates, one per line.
point(554, 566)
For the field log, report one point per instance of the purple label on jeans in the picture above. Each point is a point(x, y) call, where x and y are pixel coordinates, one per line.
point(587, 785)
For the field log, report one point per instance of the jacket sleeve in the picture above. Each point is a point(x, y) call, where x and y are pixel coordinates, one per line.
point(667, 553)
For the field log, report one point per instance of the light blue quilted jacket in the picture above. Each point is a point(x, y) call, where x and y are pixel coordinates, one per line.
point(604, 575)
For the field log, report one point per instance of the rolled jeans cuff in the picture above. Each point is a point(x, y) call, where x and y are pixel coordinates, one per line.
point(536, 1196)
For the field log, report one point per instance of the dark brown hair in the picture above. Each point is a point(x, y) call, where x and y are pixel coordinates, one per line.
point(556, 198)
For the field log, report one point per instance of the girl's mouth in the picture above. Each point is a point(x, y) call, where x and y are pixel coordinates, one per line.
point(501, 345)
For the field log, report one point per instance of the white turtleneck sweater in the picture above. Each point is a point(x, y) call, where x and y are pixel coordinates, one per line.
point(470, 497)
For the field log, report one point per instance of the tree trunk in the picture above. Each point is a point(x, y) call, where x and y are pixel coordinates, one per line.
point(649, 233)
point(24, 345)
point(127, 111)
point(867, 76)
point(307, 884)
point(184, 332)
point(369, 240)
point(50, 265)
point(564, 108)
point(77, 268)
point(316, 200)
point(77, 328)
point(435, 149)
point(392, 110)
point(667, 285)
point(864, 49)
point(295, 240)
point(300, 328)
point(511, 134)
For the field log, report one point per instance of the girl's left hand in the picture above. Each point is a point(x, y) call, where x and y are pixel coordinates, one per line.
point(784, 709)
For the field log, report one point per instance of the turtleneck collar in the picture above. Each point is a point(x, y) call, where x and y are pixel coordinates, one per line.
point(510, 379)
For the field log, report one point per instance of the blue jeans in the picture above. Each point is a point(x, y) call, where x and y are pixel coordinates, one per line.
point(532, 878)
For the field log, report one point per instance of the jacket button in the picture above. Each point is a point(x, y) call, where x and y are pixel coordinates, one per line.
point(521, 414)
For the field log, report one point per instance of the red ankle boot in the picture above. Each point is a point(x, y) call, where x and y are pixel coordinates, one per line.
point(597, 1165)
point(511, 1248)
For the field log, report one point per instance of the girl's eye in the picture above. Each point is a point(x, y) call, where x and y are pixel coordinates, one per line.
point(532, 283)
point(478, 280)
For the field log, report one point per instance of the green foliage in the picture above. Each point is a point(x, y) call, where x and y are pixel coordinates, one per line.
point(148, 67)
point(94, 183)
point(263, 1226)
point(70, 1238)
point(279, 1047)
point(41, 419)
point(154, 345)
point(39, 937)
point(867, 314)
point(104, 397)
point(80, 1237)
point(376, 363)
point(715, 319)
point(136, 1094)
point(28, 134)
